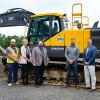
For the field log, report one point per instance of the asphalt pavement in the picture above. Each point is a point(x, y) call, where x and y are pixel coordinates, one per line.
point(45, 92)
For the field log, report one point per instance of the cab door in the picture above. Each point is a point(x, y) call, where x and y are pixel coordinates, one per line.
point(56, 39)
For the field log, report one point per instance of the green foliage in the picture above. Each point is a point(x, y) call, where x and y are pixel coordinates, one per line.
point(5, 40)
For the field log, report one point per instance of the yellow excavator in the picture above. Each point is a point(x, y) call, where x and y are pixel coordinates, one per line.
point(56, 31)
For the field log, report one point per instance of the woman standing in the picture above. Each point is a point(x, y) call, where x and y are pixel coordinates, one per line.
point(24, 59)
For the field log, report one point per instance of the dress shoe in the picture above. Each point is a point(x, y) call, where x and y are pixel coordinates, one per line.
point(17, 83)
point(88, 88)
point(92, 90)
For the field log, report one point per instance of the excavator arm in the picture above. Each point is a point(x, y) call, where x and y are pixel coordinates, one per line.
point(15, 17)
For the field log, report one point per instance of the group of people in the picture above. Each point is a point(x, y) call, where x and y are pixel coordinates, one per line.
point(72, 55)
point(39, 59)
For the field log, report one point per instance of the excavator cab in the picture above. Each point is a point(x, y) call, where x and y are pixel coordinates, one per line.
point(43, 27)
point(56, 31)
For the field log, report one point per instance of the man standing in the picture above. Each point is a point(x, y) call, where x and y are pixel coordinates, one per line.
point(72, 55)
point(12, 61)
point(89, 65)
point(39, 61)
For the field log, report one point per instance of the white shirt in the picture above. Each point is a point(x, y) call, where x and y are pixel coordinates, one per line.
point(22, 59)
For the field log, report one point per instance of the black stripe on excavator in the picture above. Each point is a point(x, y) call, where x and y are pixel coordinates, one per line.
point(95, 36)
point(56, 52)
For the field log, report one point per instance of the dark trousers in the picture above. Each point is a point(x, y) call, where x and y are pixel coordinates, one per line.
point(12, 72)
point(38, 72)
point(25, 71)
point(73, 67)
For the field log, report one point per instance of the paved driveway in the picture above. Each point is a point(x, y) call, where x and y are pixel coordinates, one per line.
point(44, 93)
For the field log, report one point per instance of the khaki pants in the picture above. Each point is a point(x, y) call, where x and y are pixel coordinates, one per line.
point(90, 77)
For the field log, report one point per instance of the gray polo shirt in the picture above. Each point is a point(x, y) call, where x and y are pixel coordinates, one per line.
point(72, 53)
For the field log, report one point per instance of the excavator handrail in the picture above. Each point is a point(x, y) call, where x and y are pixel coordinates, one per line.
point(83, 24)
point(78, 14)
point(86, 24)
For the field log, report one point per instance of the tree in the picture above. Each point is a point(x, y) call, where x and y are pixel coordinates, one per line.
point(5, 40)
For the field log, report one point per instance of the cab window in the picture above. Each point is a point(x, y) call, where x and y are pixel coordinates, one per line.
point(55, 25)
point(39, 29)
point(65, 24)
point(40, 26)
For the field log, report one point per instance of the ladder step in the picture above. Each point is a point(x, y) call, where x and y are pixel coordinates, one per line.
point(85, 24)
point(77, 14)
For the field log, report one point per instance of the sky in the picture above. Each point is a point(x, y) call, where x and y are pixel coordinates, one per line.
point(90, 8)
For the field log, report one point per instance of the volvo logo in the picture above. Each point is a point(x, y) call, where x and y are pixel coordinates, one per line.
point(60, 39)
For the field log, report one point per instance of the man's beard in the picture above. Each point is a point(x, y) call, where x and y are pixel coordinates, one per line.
point(73, 44)
point(12, 45)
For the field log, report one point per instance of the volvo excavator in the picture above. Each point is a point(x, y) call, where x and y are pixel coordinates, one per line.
point(56, 31)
